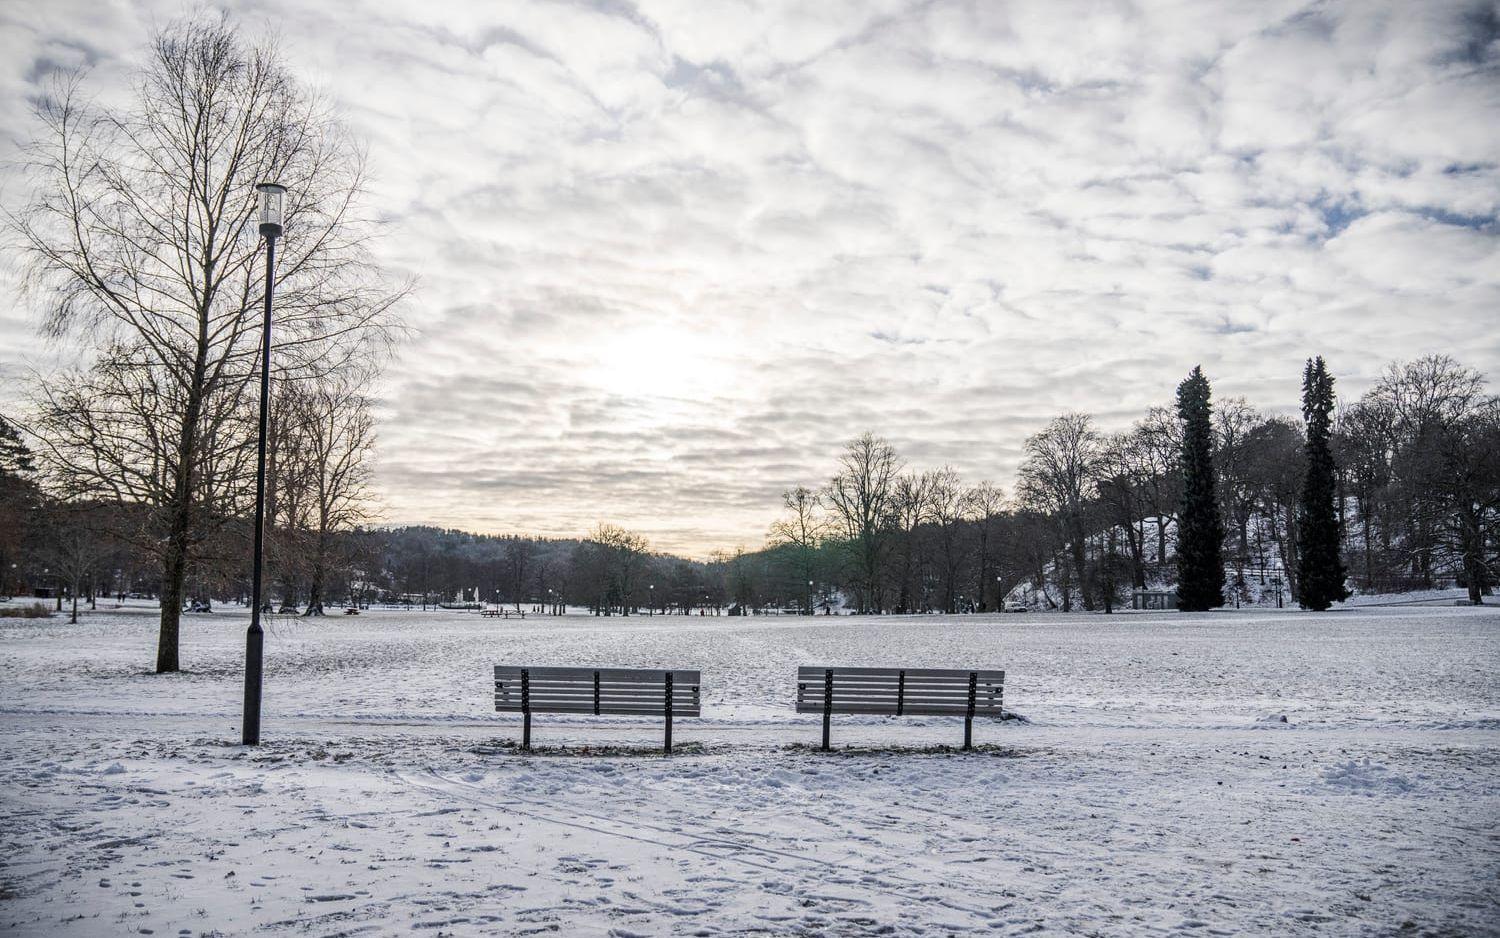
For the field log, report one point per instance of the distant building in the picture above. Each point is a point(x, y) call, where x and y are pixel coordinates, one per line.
point(1153, 599)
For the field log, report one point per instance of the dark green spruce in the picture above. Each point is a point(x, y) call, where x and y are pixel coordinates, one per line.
point(1320, 571)
point(1200, 530)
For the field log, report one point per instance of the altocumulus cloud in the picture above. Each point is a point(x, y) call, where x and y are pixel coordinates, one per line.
point(672, 253)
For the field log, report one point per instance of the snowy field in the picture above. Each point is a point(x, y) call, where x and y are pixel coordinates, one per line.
point(1154, 788)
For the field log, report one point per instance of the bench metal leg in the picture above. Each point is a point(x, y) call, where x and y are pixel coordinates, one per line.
point(827, 706)
point(526, 708)
point(667, 744)
point(969, 717)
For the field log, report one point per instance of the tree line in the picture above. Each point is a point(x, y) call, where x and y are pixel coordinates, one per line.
point(1398, 490)
point(1401, 488)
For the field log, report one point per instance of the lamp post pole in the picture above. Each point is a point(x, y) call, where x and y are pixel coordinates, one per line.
point(270, 214)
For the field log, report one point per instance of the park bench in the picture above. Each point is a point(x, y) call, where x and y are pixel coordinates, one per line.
point(502, 613)
point(612, 691)
point(901, 692)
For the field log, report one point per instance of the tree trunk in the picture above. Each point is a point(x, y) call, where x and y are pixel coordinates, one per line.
point(1065, 583)
point(315, 591)
point(1080, 565)
point(174, 570)
point(1289, 553)
point(1472, 542)
point(180, 512)
point(1369, 558)
point(1134, 539)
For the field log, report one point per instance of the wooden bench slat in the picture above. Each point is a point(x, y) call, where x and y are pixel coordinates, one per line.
point(894, 681)
point(809, 673)
point(838, 701)
point(678, 702)
point(615, 675)
point(891, 698)
point(952, 687)
point(845, 689)
point(656, 681)
point(917, 710)
point(560, 706)
point(685, 710)
point(586, 690)
point(575, 686)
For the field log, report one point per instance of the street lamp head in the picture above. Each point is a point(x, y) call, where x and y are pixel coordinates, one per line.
point(271, 211)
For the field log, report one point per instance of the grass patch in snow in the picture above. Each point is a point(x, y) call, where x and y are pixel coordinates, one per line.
point(33, 611)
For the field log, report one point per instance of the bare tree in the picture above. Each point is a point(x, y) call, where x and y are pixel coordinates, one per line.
point(288, 494)
point(623, 553)
point(946, 509)
point(1124, 499)
point(141, 232)
point(1445, 468)
point(1365, 444)
point(1234, 422)
point(76, 544)
point(982, 506)
point(1157, 441)
point(1059, 477)
point(519, 556)
point(337, 433)
point(861, 496)
point(802, 531)
point(911, 508)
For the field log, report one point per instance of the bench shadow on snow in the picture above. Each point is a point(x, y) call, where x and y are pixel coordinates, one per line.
point(979, 749)
point(690, 749)
point(512, 748)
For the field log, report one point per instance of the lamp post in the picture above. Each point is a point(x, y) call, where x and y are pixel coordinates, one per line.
point(651, 594)
point(271, 215)
point(809, 596)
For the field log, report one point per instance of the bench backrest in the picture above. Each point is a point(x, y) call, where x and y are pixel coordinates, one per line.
point(901, 691)
point(628, 691)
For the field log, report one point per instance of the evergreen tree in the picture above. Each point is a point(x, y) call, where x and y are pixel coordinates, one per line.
point(1200, 530)
point(1320, 571)
point(15, 456)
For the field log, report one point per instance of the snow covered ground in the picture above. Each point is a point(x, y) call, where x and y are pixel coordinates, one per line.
point(1154, 789)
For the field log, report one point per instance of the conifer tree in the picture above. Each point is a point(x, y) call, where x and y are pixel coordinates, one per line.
point(1320, 571)
point(1200, 531)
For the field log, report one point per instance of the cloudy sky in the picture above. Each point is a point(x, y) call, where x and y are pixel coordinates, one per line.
point(672, 253)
